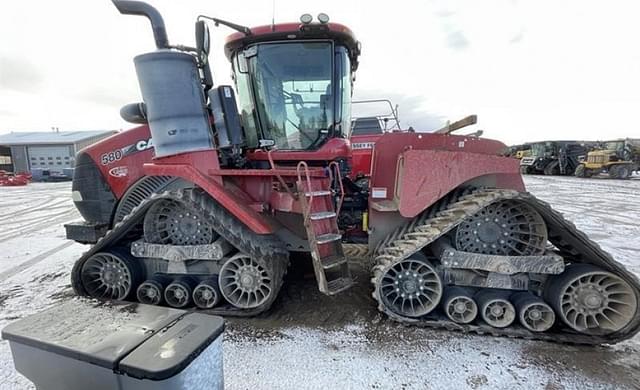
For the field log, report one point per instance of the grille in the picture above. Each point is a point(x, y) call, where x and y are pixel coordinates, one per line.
point(139, 192)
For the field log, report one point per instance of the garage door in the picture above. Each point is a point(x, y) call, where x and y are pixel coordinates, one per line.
point(50, 157)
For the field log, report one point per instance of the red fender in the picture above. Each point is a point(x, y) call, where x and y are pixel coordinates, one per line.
point(194, 168)
point(417, 189)
point(411, 171)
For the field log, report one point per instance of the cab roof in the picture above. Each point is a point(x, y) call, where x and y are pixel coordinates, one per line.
point(337, 32)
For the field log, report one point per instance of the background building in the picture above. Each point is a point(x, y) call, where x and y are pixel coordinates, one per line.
point(46, 150)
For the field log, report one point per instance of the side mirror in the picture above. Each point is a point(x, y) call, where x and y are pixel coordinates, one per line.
point(202, 41)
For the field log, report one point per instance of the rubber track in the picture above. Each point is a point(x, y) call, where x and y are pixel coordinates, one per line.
point(445, 215)
point(268, 250)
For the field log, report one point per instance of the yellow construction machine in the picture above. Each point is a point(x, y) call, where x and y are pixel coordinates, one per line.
point(618, 159)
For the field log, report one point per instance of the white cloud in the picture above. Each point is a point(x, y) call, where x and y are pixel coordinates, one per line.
point(530, 70)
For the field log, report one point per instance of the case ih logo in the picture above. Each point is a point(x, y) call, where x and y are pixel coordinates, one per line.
point(119, 171)
point(118, 154)
point(144, 144)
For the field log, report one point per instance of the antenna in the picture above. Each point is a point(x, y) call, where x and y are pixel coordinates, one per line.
point(273, 15)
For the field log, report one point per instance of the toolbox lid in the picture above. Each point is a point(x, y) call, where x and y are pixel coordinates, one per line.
point(172, 349)
point(95, 332)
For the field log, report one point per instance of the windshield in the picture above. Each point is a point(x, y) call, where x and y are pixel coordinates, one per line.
point(614, 145)
point(539, 150)
point(292, 86)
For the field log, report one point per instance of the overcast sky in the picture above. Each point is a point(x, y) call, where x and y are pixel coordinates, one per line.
point(530, 70)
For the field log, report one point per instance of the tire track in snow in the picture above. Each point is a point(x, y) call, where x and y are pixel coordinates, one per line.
point(33, 261)
point(50, 206)
point(68, 216)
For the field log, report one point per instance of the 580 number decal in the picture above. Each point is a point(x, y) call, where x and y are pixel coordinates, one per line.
point(111, 157)
point(118, 154)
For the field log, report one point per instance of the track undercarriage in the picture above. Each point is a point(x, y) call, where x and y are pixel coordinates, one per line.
point(504, 263)
point(486, 261)
point(180, 248)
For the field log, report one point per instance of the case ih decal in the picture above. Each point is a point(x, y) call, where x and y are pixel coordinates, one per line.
point(118, 154)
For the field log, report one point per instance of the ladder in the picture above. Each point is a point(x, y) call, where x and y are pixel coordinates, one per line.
point(321, 223)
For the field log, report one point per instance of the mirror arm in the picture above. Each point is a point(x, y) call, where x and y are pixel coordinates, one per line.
point(183, 48)
point(243, 29)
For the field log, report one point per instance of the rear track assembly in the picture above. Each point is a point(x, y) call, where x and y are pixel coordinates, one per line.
point(606, 279)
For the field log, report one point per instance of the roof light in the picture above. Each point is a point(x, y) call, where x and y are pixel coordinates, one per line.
point(323, 18)
point(306, 18)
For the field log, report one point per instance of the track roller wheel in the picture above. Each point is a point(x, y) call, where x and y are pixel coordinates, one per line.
point(110, 275)
point(458, 305)
point(591, 300)
point(178, 293)
point(533, 313)
point(150, 291)
point(244, 283)
point(411, 287)
point(206, 295)
point(495, 308)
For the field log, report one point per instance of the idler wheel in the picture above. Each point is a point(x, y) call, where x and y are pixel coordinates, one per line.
point(591, 300)
point(411, 287)
point(245, 283)
point(110, 275)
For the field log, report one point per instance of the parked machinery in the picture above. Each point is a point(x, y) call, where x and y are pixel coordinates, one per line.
point(518, 151)
point(553, 157)
point(203, 205)
point(617, 158)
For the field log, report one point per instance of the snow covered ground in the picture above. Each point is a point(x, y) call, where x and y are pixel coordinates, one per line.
point(351, 347)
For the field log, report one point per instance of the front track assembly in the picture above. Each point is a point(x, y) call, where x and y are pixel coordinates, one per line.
point(252, 276)
point(581, 294)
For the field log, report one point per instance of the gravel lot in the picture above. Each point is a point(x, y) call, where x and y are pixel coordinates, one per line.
point(312, 341)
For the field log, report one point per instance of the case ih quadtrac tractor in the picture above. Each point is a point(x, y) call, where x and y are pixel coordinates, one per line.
point(205, 203)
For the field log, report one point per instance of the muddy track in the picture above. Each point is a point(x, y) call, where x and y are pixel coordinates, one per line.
point(268, 250)
point(570, 242)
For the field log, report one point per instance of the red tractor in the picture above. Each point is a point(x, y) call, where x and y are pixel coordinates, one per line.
point(206, 200)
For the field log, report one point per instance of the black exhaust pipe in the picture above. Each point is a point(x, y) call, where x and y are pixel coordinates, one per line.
point(140, 8)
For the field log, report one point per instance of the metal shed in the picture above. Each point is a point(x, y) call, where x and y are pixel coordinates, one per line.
point(50, 150)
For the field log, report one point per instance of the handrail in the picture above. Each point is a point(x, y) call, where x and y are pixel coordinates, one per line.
point(303, 164)
point(278, 176)
point(339, 177)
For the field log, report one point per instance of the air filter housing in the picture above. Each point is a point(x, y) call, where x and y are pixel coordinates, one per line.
point(176, 110)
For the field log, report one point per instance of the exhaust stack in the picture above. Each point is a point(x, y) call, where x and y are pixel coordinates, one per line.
point(139, 8)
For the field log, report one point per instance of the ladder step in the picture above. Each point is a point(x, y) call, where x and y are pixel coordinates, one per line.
point(327, 238)
point(337, 285)
point(318, 193)
point(322, 215)
point(333, 261)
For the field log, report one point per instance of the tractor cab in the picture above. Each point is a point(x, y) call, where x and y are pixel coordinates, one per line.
point(294, 82)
